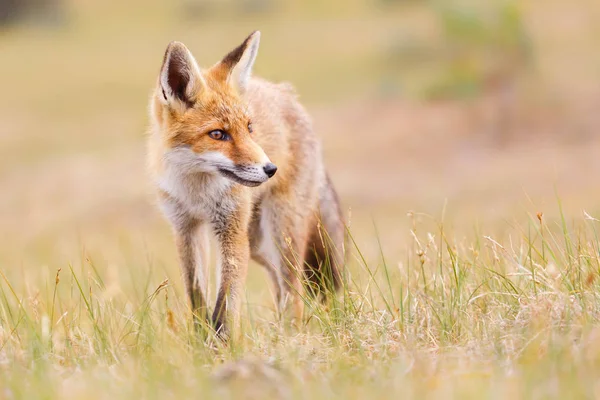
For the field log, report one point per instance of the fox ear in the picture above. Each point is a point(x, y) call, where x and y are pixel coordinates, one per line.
point(180, 77)
point(240, 60)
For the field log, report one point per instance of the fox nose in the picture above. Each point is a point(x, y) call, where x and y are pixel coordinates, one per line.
point(270, 169)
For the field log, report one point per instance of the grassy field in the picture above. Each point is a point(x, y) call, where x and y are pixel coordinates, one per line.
point(472, 317)
point(474, 256)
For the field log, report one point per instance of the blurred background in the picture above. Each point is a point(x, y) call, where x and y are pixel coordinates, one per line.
point(480, 113)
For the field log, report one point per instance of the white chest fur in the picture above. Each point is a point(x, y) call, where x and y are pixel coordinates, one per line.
point(202, 195)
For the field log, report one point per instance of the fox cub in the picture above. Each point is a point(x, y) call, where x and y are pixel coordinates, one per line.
point(236, 156)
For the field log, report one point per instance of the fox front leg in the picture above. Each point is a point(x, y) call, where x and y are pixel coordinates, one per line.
point(192, 253)
point(234, 249)
point(190, 259)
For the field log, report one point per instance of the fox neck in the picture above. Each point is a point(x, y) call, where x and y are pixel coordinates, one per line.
point(196, 191)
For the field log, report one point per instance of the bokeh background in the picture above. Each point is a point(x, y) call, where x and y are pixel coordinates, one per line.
point(477, 113)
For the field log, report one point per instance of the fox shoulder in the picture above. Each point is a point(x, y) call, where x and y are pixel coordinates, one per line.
point(288, 88)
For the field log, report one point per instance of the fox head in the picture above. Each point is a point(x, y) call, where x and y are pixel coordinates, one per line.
point(202, 116)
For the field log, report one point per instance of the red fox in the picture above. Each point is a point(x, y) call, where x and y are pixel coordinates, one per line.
point(236, 156)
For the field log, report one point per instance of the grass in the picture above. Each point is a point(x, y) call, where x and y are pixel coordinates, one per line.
point(477, 317)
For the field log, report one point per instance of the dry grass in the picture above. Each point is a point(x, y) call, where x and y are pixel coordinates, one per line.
point(480, 316)
point(469, 295)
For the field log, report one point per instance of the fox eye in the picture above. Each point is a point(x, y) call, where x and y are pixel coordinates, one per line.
point(218, 134)
point(250, 127)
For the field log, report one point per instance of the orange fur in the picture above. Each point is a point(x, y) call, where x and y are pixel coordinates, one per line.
point(225, 186)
